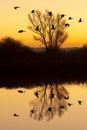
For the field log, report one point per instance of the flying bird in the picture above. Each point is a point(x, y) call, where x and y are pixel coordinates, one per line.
point(21, 91)
point(70, 18)
point(16, 7)
point(62, 107)
point(62, 15)
point(66, 97)
point(80, 102)
point(21, 31)
point(32, 111)
point(67, 25)
point(36, 94)
point(16, 115)
point(50, 13)
point(80, 20)
point(70, 104)
point(33, 11)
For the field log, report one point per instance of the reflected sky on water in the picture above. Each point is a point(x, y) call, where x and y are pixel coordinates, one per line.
point(46, 107)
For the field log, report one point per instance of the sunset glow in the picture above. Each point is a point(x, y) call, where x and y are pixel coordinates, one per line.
point(12, 20)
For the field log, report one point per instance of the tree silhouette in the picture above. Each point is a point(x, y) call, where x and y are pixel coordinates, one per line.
point(51, 101)
point(49, 29)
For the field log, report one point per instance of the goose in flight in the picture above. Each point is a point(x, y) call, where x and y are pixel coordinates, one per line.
point(70, 104)
point(21, 31)
point(32, 111)
point(50, 13)
point(62, 107)
point(36, 94)
point(66, 97)
point(16, 7)
point(67, 25)
point(33, 11)
point(70, 18)
point(16, 115)
point(80, 20)
point(21, 91)
point(62, 15)
point(80, 102)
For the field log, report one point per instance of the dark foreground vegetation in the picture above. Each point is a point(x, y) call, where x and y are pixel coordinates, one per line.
point(19, 60)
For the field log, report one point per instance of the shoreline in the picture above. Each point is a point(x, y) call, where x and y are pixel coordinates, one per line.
point(26, 80)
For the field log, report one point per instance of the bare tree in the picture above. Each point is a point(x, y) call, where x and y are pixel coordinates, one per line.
point(50, 29)
point(51, 100)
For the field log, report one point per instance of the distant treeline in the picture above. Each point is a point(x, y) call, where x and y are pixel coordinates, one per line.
point(16, 58)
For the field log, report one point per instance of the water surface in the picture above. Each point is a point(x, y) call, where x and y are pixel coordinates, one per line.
point(49, 109)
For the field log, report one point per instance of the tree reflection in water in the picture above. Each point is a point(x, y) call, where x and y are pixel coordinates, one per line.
point(51, 100)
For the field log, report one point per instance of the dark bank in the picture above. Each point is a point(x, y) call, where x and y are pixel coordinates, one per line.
point(18, 60)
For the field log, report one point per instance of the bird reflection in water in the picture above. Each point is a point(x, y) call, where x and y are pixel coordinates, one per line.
point(16, 115)
point(52, 100)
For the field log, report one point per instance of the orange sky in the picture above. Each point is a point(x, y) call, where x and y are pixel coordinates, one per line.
point(12, 20)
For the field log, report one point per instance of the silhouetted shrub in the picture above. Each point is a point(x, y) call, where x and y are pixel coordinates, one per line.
point(10, 42)
point(10, 45)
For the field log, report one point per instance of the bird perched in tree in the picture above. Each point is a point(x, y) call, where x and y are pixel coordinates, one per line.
point(50, 13)
point(21, 31)
point(53, 27)
point(33, 11)
point(67, 25)
point(37, 28)
point(21, 91)
point(16, 7)
point(62, 15)
point(16, 115)
point(80, 20)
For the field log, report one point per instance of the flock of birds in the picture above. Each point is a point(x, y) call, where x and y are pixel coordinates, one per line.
point(37, 29)
point(50, 14)
point(52, 96)
point(49, 108)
